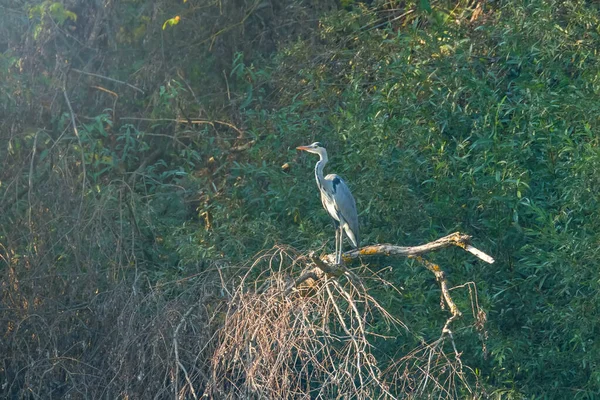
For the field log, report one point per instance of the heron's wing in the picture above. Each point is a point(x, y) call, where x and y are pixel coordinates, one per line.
point(345, 205)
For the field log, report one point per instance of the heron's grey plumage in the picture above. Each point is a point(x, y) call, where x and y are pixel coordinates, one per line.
point(336, 199)
point(344, 206)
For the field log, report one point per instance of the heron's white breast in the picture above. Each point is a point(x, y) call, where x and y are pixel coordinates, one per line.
point(329, 206)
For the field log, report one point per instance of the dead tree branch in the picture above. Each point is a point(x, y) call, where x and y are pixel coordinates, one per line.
point(440, 276)
point(301, 324)
point(428, 369)
point(326, 266)
point(314, 318)
point(454, 239)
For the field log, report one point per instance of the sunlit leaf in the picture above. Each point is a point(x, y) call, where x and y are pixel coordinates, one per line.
point(171, 22)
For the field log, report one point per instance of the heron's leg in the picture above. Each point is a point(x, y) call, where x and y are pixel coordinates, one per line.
point(341, 245)
point(337, 234)
point(336, 226)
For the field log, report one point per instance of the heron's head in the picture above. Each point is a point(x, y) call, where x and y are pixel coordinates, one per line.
point(316, 148)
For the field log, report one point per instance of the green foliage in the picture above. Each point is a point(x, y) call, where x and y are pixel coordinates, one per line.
point(52, 10)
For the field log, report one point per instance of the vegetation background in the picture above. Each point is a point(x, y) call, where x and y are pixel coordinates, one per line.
point(147, 155)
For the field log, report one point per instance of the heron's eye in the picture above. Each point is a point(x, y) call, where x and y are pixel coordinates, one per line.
point(317, 144)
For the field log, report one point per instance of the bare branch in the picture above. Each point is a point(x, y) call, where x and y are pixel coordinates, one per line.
point(312, 274)
point(440, 276)
point(455, 239)
point(479, 254)
point(115, 95)
point(327, 265)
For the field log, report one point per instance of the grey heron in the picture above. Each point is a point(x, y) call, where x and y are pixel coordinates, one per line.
point(337, 201)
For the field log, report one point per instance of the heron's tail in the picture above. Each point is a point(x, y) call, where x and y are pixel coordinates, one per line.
point(353, 236)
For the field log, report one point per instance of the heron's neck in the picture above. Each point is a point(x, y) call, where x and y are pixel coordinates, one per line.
point(319, 169)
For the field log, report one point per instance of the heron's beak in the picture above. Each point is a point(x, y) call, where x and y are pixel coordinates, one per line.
point(305, 148)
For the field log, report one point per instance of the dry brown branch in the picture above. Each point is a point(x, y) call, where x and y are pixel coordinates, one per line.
point(440, 276)
point(455, 239)
point(431, 371)
point(279, 344)
point(327, 267)
point(310, 337)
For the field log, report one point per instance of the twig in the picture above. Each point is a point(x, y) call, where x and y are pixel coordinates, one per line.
point(440, 276)
point(107, 78)
point(242, 147)
point(115, 95)
point(175, 348)
point(189, 87)
point(227, 85)
point(30, 180)
point(185, 121)
point(64, 90)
